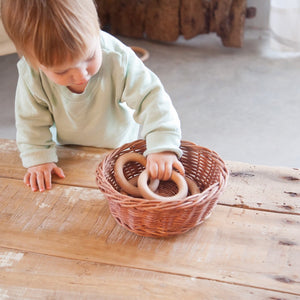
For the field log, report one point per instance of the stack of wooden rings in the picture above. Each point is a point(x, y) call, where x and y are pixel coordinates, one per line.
point(138, 186)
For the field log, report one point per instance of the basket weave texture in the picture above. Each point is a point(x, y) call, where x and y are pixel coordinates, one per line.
point(154, 218)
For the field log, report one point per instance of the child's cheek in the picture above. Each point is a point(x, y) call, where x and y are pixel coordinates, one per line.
point(61, 80)
point(94, 68)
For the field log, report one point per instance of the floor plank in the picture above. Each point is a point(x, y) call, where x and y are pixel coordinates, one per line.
point(26, 275)
point(254, 187)
point(236, 245)
point(78, 163)
point(263, 188)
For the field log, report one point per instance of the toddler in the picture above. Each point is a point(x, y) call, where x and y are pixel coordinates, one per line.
point(79, 85)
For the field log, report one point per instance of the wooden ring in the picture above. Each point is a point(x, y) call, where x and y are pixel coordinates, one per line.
point(192, 186)
point(153, 183)
point(140, 52)
point(121, 180)
point(148, 194)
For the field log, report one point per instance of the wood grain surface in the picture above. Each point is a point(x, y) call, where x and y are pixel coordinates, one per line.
point(64, 243)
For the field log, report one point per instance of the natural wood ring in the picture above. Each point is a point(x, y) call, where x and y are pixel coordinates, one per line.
point(140, 52)
point(124, 184)
point(148, 194)
point(192, 186)
point(153, 184)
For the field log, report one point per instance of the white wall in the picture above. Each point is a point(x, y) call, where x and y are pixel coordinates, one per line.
point(284, 25)
point(261, 21)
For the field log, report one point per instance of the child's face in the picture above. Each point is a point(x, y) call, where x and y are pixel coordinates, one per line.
point(76, 74)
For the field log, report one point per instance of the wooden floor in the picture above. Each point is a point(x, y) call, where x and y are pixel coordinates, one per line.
point(64, 244)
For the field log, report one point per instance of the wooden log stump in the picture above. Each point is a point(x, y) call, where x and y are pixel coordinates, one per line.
point(237, 16)
point(227, 19)
point(104, 13)
point(128, 17)
point(162, 20)
point(194, 17)
point(165, 20)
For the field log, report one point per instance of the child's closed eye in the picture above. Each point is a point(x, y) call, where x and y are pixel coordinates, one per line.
point(61, 73)
point(91, 57)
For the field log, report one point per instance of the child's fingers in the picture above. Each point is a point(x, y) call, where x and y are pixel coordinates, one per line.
point(33, 182)
point(27, 179)
point(48, 179)
point(41, 181)
point(179, 166)
point(40, 177)
point(167, 171)
point(160, 170)
point(153, 170)
point(59, 172)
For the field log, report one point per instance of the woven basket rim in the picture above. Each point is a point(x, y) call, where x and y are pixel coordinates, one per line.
point(130, 201)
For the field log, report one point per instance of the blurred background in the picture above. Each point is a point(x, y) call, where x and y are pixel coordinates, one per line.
point(244, 103)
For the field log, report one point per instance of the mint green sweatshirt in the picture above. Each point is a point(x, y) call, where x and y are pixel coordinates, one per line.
point(123, 95)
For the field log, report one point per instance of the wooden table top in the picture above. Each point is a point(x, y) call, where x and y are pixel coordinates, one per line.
point(64, 244)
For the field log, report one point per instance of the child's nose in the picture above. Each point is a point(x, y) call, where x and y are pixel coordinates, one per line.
point(80, 74)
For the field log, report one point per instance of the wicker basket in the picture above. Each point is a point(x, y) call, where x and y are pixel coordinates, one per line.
point(155, 218)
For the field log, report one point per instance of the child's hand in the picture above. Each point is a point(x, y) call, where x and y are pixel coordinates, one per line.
point(39, 177)
point(160, 165)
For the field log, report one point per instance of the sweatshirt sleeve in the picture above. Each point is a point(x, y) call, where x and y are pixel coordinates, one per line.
point(33, 122)
point(153, 109)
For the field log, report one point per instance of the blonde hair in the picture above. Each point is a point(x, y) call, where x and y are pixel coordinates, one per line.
point(50, 31)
